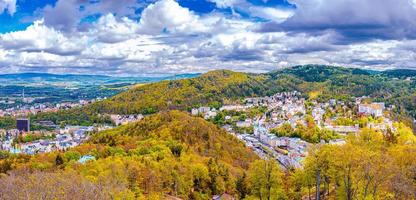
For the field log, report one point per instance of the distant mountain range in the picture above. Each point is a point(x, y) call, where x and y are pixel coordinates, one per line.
point(75, 79)
point(31, 78)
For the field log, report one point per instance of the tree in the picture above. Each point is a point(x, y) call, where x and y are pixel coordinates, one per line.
point(241, 186)
point(284, 130)
point(59, 160)
point(264, 180)
point(318, 165)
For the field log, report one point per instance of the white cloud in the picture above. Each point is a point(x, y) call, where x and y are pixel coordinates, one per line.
point(66, 15)
point(413, 2)
point(225, 3)
point(354, 20)
point(270, 13)
point(109, 29)
point(169, 38)
point(39, 37)
point(138, 49)
point(168, 15)
point(9, 5)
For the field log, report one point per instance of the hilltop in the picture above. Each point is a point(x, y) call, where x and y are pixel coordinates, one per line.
point(209, 88)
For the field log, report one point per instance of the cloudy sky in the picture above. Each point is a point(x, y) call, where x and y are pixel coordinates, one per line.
point(134, 37)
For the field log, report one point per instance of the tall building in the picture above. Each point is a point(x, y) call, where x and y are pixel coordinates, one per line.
point(23, 124)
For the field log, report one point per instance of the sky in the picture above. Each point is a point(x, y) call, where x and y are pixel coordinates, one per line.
point(135, 37)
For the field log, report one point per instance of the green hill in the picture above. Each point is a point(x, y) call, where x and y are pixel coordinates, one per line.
point(209, 88)
point(170, 153)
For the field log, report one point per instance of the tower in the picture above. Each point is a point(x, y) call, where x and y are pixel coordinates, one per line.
point(23, 124)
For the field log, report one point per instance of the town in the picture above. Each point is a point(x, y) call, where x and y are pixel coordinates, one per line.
point(273, 126)
point(34, 108)
point(23, 140)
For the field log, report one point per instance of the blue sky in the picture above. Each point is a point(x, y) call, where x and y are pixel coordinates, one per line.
point(130, 37)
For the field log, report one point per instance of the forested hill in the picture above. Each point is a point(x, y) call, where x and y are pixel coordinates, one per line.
point(181, 133)
point(215, 87)
point(170, 153)
point(209, 88)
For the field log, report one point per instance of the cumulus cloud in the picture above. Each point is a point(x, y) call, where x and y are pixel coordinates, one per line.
point(226, 3)
point(165, 37)
point(169, 16)
point(354, 20)
point(9, 5)
point(38, 38)
point(274, 14)
point(270, 13)
point(109, 29)
point(66, 15)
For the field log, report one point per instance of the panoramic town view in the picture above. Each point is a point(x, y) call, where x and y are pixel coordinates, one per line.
point(208, 99)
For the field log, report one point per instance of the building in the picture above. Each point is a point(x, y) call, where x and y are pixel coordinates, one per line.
point(337, 142)
point(23, 124)
point(344, 129)
point(244, 124)
point(204, 109)
point(194, 111)
point(235, 107)
point(224, 196)
point(86, 158)
point(375, 109)
point(332, 102)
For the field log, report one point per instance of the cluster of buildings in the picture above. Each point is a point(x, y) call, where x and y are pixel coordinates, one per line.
point(374, 109)
point(290, 152)
point(26, 110)
point(274, 100)
point(65, 138)
point(288, 107)
point(291, 108)
point(125, 119)
point(206, 112)
point(281, 108)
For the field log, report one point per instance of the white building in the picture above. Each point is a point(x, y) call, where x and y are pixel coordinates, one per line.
point(344, 129)
point(244, 124)
point(194, 112)
point(204, 109)
point(375, 109)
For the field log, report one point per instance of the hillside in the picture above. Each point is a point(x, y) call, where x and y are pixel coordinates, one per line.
point(169, 153)
point(214, 87)
point(209, 88)
point(193, 134)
